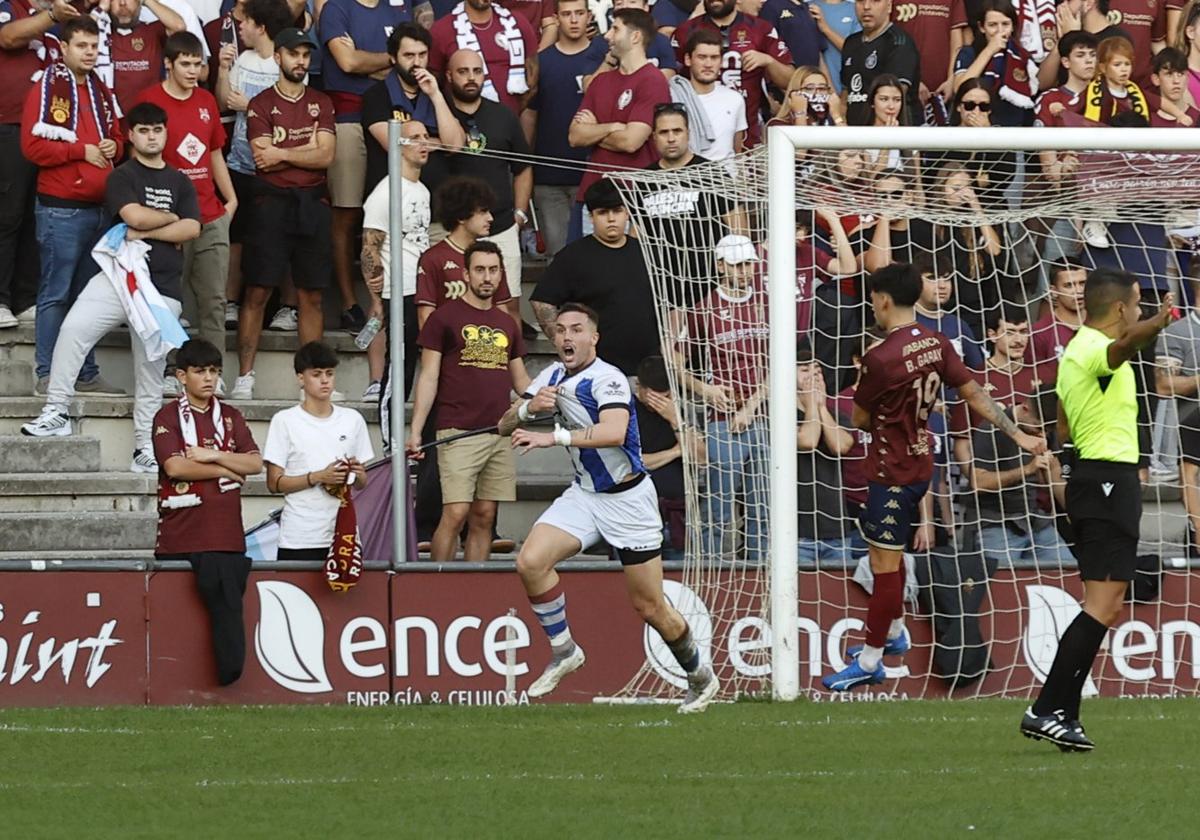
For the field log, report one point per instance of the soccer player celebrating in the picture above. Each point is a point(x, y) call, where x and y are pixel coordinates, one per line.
point(901, 379)
point(1097, 396)
point(613, 497)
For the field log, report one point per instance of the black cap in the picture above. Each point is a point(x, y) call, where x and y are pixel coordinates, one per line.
point(293, 37)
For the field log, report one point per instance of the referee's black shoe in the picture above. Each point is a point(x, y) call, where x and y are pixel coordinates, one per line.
point(1067, 735)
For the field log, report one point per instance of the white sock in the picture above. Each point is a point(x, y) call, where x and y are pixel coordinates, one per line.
point(869, 658)
point(896, 630)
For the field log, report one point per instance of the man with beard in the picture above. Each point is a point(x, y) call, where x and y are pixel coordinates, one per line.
point(617, 109)
point(753, 52)
point(505, 41)
point(131, 57)
point(291, 130)
point(471, 358)
point(410, 92)
point(495, 152)
point(612, 498)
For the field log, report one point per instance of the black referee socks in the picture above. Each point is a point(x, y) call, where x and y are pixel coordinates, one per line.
point(1072, 664)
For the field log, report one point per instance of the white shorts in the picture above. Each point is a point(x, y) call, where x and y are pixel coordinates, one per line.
point(628, 520)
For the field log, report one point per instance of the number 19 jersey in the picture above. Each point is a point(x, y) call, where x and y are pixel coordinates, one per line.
point(901, 381)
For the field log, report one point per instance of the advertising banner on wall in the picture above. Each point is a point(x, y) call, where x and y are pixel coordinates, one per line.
point(75, 638)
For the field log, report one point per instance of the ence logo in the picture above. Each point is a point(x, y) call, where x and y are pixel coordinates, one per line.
point(906, 12)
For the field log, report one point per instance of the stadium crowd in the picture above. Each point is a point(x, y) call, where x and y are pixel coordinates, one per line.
point(277, 112)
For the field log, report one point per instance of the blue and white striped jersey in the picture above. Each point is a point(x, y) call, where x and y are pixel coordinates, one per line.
point(581, 398)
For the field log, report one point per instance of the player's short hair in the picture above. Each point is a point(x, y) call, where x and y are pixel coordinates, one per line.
point(1076, 38)
point(146, 113)
point(180, 44)
point(899, 281)
point(272, 15)
point(197, 352)
point(1112, 47)
point(652, 372)
point(410, 30)
point(460, 198)
point(1105, 287)
point(700, 37)
point(314, 355)
point(1169, 58)
point(82, 23)
point(1009, 312)
point(603, 195)
point(575, 306)
point(638, 19)
point(481, 246)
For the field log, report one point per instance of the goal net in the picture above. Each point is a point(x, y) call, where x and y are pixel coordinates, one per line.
point(1004, 233)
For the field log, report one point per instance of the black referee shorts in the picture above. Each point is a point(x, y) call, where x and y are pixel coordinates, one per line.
point(1104, 503)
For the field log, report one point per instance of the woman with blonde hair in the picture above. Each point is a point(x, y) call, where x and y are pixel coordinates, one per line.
point(809, 100)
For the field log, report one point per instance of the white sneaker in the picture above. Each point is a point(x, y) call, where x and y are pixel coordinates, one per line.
point(286, 320)
point(231, 315)
point(185, 323)
point(143, 462)
point(27, 316)
point(702, 688)
point(371, 393)
point(220, 387)
point(243, 388)
point(51, 423)
point(170, 386)
point(555, 671)
point(336, 396)
point(7, 319)
point(1096, 234)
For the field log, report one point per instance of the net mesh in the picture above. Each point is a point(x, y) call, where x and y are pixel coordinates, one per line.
point(1004, 239)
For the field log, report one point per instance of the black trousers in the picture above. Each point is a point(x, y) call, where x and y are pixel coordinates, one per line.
point(19, 259)
point(221, 579)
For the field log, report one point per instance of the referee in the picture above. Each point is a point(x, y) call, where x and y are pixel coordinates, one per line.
point(1097, 415)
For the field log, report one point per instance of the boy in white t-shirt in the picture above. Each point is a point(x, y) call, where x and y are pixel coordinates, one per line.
point(313, 449)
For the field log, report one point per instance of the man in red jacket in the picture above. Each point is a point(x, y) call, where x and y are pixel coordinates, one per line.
point(69, 129)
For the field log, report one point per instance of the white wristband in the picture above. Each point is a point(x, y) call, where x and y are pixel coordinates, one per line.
point(523, 411)
point(562, 436)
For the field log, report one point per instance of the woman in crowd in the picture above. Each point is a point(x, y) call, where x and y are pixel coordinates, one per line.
point(809, 100)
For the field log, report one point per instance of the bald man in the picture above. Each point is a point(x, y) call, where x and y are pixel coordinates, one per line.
point(493, 138)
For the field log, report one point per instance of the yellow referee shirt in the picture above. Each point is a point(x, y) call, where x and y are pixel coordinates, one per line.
point(1100, 403)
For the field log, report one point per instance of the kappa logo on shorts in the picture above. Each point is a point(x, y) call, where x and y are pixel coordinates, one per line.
point(1107, 487)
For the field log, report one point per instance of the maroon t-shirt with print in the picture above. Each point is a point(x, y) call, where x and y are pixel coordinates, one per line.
point(137, 57)
point(216, 523)
point(476, 346)
point(290, 123)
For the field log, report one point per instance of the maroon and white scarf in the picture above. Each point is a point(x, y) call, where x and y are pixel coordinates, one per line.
point(1013, 75)
point(187, 425)
point(58, 114)
point(343, 564)
point(509, 39)
point(1038, 27)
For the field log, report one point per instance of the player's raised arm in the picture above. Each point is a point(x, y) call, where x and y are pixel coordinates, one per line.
point(610, 431)
point(990, 410)
point(1140, 334)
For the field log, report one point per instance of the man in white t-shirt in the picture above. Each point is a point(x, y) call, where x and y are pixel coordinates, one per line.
point(376, 260)
point(717, 114)
point(312, 449)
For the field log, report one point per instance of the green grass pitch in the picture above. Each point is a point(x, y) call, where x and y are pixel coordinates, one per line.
point(914, 769)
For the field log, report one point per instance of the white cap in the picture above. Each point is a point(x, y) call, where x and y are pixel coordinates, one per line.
point(734, 248)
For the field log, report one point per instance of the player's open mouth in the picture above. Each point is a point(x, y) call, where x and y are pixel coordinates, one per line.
point(568, 351)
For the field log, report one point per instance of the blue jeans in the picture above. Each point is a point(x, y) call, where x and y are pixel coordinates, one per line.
point(842, 551)
point(65, 238)
point(737, 463)
point(1006, 547)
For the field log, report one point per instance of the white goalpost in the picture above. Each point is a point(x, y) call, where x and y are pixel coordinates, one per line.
point(975, 204)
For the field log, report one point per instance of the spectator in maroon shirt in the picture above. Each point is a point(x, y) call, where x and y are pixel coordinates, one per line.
point(23, 24)
point(1170, 77)
point(1058, 326)
point(471, 358)
point(507, 42)
point(132, 55)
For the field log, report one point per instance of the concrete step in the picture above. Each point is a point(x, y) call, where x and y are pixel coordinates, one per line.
point(20, 454)
point(83, 531)
point(16, 376)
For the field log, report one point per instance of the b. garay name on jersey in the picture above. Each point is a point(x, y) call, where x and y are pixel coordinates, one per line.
point(933, 353)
